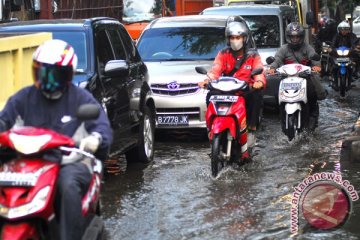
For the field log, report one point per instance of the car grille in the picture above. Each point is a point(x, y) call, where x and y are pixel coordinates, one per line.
point(193, 113)
point(174, 90)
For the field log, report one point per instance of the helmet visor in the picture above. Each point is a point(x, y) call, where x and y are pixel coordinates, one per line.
point(51, 78)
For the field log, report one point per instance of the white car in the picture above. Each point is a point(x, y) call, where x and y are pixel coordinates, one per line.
point(171, 48)
point(356, 26)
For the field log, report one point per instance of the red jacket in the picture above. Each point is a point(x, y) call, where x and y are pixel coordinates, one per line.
point(225, 62)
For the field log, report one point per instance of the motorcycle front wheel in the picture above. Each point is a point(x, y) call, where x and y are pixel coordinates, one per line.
point(291, 131)
point(342, 85)
point(218, 145)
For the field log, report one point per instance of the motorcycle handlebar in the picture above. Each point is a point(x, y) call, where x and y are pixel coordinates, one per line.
point(75, 155)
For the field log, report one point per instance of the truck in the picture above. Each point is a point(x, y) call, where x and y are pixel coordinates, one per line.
point(137, 14)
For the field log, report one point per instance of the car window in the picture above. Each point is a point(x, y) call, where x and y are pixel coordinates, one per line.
point(103, 48)
point(119, 50)
point(191, 43)
point(265, 30)
point(129, 45)
point(78, 41)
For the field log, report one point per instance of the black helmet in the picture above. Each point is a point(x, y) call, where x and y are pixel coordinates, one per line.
point(330, 23)
point(295, 29)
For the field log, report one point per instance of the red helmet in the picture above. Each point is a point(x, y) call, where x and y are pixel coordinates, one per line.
point(54, 63)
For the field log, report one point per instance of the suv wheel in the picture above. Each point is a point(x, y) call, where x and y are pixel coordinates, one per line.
point(144, 151)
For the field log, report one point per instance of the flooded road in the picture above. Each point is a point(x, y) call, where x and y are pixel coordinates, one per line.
point(175, 197)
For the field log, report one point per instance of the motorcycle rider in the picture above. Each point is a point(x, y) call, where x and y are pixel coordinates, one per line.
point(297, 51)
point(344, 37)
point(238, 60)
point(50, 103)
point(326, 33)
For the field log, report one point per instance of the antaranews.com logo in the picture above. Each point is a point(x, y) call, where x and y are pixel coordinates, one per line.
point(325, 200)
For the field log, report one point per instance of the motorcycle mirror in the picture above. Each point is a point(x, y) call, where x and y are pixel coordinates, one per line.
point(270, 60)
point(88, 112)
point(256, 71)
point(303, 74)
point(201, 70)
point(316, 57)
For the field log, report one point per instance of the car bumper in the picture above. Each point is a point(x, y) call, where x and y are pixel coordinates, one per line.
point(193, 106)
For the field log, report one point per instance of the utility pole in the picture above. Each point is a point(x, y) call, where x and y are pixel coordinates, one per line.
point(46, 9)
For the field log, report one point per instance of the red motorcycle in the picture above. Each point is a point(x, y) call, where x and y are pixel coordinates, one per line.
point(28, 182)
point(226, 121)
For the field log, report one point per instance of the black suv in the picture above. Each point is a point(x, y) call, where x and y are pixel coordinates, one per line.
point(111, 68)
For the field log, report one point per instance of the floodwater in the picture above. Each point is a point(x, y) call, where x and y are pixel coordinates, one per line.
point(175, 197)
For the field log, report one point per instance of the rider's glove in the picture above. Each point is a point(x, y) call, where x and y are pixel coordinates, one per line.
point(271, 71)
point(91, 142)
point(316, 68)
point(258, 85)
point(202, 84)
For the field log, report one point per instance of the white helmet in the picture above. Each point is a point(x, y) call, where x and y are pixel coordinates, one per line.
point(344, 25)
point(54, 63)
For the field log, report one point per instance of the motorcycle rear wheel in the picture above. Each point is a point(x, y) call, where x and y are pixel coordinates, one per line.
point(217, 146)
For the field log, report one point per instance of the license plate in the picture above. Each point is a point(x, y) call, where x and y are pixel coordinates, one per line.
point(343, 59)
point(291, 86)
point(173, 120)
point(224, 98)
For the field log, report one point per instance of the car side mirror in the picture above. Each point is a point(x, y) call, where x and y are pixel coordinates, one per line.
point(310, 18)
point(115, 68)
point(88, 112)
point(270, 60)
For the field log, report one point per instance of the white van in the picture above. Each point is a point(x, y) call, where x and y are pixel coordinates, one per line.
point(267, 23)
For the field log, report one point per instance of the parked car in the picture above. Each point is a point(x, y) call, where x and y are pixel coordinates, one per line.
point(172, 48)
point(111, 68)
point(267, 23)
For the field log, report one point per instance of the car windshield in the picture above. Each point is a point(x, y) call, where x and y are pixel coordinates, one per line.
point(265, 30)
point(141, 10)
point(177, 44)
point(77, 41)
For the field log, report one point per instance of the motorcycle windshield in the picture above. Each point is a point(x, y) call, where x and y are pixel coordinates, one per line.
point(343, 51)
point(228, 84)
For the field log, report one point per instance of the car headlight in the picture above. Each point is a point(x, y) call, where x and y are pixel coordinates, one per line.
point(35, 205)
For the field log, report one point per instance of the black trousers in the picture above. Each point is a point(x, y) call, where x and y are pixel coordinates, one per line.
point(312, 99)
point(73, 182)
point(253, 104)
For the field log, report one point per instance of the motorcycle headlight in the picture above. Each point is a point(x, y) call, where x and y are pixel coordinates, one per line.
point(35, 205)
point(29, 144)
point(342, 52)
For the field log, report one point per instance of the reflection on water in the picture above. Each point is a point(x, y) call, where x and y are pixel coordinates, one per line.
point(175, 197)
